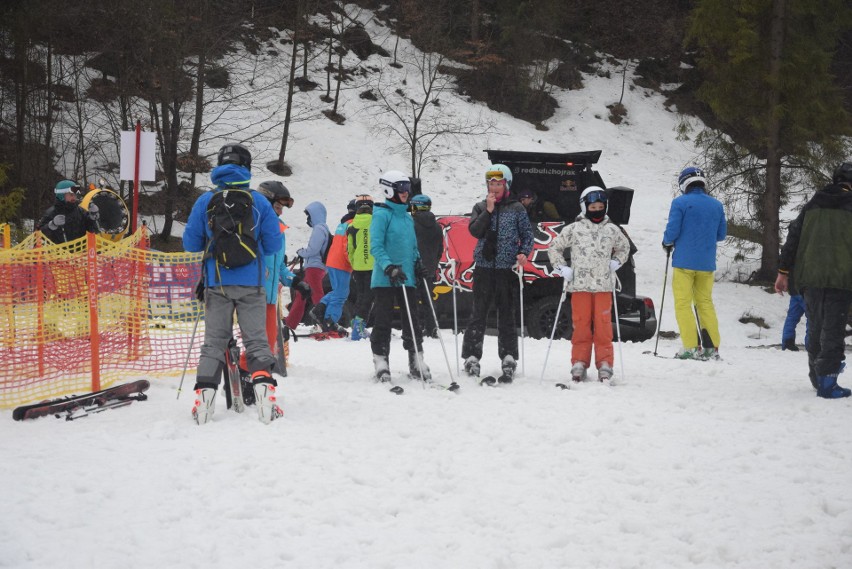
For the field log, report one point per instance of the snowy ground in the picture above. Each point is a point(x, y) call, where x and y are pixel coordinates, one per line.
point(684, 464)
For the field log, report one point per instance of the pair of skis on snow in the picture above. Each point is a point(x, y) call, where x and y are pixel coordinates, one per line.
point(79, 406)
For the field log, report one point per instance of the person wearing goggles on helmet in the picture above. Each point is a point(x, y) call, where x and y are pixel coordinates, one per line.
point(505, 238)
point(397, 264)
point(598, 249)
point(696, 223)
point(430, 242)
point(65, 220)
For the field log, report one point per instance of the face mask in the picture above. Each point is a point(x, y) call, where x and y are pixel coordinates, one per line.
point(596, 216)
point(309, 219)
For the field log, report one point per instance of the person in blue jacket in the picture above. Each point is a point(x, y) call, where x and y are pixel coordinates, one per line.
point(239, 289)
point(696, 223)
point(393, 244)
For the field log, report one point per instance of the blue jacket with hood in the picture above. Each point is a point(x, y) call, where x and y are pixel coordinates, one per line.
point(696, 223)
point(198, 234)
point(312, 254)
point(392, 242)
point(277, 271)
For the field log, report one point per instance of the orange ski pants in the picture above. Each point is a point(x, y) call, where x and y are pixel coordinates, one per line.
point(591, 314)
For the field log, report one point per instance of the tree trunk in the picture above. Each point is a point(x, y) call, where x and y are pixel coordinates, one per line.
point(772, 196)
point(292, 78)
point(474, 20)
point(170, 127)
point(21, 89)
point(199, 113)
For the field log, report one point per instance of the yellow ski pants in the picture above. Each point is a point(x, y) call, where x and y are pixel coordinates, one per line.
point(695, 288)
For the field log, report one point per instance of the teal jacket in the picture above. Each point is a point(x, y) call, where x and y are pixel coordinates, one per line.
point(392, 242)
point(277, 271)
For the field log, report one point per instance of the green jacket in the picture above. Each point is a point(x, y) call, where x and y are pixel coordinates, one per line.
point(818, 250)
point(358, 242)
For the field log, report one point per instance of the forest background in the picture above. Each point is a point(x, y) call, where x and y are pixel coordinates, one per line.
point(769, 80)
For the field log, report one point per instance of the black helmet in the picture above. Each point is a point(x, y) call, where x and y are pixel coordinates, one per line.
point(275, 191)
point(351, 206)
point(235, 154)
point(843, 174)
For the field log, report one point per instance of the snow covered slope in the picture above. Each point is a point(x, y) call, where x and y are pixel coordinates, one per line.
point(733, 463)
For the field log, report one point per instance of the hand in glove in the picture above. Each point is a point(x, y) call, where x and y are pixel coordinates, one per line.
point(57, 222)
point(94, 212)
point(420, 271)
point(395, 275)
point(301, 252)
point(667, 247)
point(614, 265)
point(199, 290)
point(303, 288)
point(567, 273)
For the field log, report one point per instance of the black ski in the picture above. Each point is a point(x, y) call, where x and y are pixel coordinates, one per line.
point(133, 391)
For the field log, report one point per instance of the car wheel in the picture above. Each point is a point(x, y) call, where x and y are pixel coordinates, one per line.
point(539, 318)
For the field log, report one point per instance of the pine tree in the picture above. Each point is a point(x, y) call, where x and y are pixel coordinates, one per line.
point(765, 66)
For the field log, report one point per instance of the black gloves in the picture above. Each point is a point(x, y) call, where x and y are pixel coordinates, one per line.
point(667, 247)
point(199, 290)
point(94, 212)
point(420, 271)
point(395, 275)
point(303, 288)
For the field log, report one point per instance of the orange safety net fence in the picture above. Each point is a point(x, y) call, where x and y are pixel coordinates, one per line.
point(84, 315)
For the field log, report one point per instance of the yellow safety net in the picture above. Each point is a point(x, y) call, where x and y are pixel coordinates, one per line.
point(89, 313)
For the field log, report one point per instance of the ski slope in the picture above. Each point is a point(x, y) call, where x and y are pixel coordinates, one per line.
point(722, 464)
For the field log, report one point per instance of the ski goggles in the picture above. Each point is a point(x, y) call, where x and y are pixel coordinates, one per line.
point(401, 187)
point(596, 196)
point(495, 175)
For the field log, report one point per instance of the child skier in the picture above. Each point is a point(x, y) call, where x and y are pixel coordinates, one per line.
point(361, 259)
point(598, 248)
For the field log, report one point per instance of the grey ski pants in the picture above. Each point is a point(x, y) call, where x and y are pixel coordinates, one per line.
point(249, 302)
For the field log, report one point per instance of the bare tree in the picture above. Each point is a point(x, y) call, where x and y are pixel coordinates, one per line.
point(417, 123)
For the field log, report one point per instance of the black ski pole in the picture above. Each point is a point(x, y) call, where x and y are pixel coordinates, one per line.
point(189, 351)
point(662, 300)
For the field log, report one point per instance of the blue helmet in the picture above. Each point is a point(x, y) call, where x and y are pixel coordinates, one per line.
point(690, 176)
point(420, 202)
point(65, 187)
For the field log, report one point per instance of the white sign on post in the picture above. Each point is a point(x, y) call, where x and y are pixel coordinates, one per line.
point(147, 156)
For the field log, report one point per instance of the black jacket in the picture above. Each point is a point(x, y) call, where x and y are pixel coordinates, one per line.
point(430, 239)
point(77, 222)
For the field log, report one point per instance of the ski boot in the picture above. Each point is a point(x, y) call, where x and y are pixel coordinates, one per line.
point(689, 354)
point(827, 387)
point(605, 373)
point(415, 364)
point(205, 404)
point(317, 314)
point(710, 354)
point(508, 366)
point(333, 329)
point(382, 368)
point(264, 394)
point(359, 332)
point(578, 372)
point(471, 366)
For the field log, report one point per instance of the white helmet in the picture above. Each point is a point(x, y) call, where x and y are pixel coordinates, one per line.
point(500, 172)
point(393, 182)
point(591, 195)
